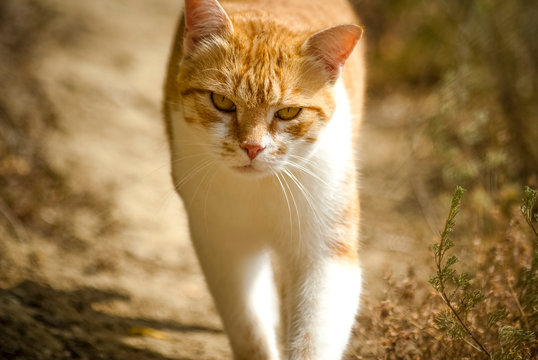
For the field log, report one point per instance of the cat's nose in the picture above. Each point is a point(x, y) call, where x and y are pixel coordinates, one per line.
point(252, 149)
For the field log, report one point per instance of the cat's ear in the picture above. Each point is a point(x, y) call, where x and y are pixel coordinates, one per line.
point(204, 19)
point(333, 46)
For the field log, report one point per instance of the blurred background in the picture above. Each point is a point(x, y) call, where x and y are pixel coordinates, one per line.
point(95, 260)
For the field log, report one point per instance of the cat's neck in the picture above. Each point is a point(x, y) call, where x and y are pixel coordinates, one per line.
point(336, 149)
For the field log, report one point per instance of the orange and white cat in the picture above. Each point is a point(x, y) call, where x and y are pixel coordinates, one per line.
point(262, 119)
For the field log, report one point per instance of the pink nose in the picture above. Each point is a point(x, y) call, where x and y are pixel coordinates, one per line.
point(252, 149)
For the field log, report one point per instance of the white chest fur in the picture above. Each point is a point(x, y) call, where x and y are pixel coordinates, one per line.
point(236, 219)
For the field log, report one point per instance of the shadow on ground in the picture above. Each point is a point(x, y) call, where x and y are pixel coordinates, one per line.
point(33, 315)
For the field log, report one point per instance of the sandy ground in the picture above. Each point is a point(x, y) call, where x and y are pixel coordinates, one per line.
point(136, 292)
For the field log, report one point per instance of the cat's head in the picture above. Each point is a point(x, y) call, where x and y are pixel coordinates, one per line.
point(258, 93)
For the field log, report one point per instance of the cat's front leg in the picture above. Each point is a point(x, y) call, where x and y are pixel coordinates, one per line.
point(240, 279)
point(322, 301)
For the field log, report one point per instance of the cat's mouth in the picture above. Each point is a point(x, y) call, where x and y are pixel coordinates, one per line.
point(246, 169)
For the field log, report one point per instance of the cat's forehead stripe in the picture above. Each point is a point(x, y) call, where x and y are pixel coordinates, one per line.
point(256, 89)
point(261, 55)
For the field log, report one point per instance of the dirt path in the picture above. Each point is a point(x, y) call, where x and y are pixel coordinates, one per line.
point(106, 89)
point(89, 299)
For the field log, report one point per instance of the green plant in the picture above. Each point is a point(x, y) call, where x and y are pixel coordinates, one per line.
point(503, 335)
point(453, 287)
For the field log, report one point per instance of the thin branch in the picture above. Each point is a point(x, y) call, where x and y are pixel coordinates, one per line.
point(462, 323)
point(520, 308)
point(439, 256)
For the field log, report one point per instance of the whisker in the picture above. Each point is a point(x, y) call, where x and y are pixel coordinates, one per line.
point(178, 185)
point(189, 142)
point(296, 209)
point(164, 200)
point(307, 171)
point(190, 156)
point(287, 203)
point(200, 183)
point(307, 196)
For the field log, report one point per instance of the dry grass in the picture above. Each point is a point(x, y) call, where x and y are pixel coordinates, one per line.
point(497, 307)
point(474, 62)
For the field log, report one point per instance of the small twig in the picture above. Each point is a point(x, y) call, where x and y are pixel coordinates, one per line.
point(529, 221)
point(354, 353)
point(422, 328)
point(520, 308)
point(472, 345)
point(424, 205)
point(528, 206)
point(17, 226)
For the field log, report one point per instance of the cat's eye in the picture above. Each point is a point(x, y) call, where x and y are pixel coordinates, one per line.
point(288, 113)
point(222, 102)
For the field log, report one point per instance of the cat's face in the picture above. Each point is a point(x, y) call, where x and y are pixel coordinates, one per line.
point(255, 101)
point(257, 94)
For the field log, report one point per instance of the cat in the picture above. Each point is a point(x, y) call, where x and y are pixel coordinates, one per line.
point(262, 119)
